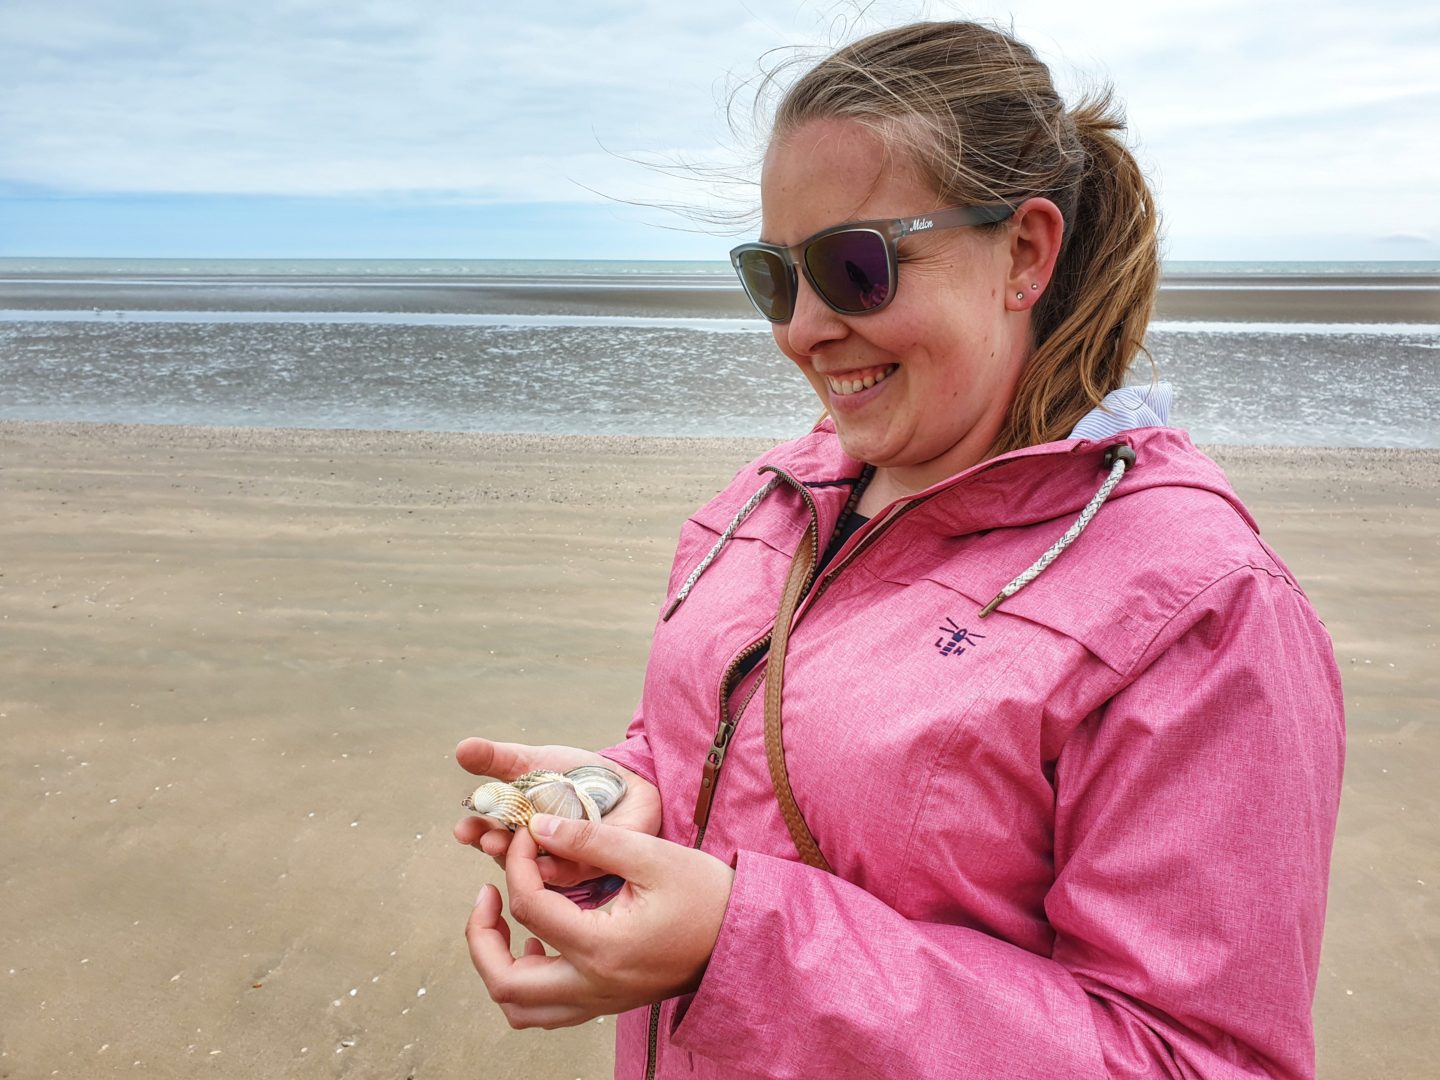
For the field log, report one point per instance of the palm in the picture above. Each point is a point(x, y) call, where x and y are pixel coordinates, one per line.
point(639, 810)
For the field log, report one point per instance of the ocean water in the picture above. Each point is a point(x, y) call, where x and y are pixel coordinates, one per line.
point(684, 371)
point(429, 268)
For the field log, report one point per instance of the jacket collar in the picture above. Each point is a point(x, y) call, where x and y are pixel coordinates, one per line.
point(1023, 487)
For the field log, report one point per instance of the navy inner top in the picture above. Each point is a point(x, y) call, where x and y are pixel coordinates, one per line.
point(849, 529)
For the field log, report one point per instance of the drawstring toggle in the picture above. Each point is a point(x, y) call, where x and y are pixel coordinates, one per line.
point(1117, 459)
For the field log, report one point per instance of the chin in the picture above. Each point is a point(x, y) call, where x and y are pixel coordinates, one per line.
point(860, 448)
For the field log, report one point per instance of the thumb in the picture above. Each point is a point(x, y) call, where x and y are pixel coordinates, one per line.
point(634, 856)
point(501, 760)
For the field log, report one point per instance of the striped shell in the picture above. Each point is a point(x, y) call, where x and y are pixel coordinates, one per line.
point(500, 804)
point(589, 792)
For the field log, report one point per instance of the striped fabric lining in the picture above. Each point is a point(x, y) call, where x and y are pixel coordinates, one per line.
point(1126, 408)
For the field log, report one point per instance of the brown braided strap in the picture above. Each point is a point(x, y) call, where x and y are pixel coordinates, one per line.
point(800, 567)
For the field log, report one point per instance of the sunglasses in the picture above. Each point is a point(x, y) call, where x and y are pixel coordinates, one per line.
point(853, 268)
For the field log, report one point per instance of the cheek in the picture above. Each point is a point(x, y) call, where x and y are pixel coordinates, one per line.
point(803, 363)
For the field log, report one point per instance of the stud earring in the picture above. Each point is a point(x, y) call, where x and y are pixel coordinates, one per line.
point(1033, 285)
point(1019, 296)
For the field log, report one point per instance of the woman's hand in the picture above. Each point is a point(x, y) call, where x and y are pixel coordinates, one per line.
point(652, 942)
point(639, 810)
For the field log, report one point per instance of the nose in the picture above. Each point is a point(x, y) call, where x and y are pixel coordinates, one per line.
point(814, 322)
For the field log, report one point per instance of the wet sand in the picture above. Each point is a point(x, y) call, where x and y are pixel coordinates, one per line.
point(1377, 298)
point(234, 662)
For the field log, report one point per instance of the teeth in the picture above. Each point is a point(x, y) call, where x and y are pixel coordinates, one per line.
point(844, 387)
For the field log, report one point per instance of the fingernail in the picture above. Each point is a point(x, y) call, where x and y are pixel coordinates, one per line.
point(482, 895)
point(542, 825)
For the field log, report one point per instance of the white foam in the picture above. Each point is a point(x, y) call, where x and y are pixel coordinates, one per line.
point(645, 322)
point(1182, 326)
point(1288, 286)
point(725, 284)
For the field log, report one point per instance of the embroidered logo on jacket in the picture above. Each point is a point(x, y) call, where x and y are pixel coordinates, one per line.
point(954, 638)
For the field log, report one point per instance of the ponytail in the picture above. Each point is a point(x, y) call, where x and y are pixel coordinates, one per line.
point(1090, 323)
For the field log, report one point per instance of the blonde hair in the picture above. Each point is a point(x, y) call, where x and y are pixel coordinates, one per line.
point(978, 112)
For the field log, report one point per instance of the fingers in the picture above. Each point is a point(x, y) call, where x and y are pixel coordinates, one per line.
point(496, 842)
point(534, 991)
point(488, 934)
point(475, 833)
point(637, 857)
point(547, 914)
point(605, 849)
point(471, 830)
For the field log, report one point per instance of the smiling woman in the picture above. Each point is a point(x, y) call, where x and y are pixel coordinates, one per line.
point(981, 735)
point(942, 355)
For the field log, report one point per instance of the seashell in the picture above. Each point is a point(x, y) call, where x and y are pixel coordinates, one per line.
point(604, 786)
point(533, 779)
point(500, 804)
point(589, 792)
point(563, 798)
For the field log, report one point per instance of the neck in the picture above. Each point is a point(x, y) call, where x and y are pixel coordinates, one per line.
point(883, 489)
point(893, 484)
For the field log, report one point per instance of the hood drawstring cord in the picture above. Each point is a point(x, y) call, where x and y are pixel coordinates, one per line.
point(1119, 458)
point(725, 536)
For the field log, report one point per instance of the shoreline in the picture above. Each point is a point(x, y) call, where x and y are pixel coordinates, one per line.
point(1387, 298)
point(234, 661)
point(642, 446)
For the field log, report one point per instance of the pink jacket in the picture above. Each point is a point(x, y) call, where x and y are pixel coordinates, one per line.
point(1086, 836)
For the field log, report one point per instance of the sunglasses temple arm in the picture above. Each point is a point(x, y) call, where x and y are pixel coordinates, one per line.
point(956, 217)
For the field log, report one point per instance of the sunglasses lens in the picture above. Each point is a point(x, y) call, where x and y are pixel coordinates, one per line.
point(767, 281)
point(851, 270)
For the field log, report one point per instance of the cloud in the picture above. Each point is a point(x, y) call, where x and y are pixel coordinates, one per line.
point(1416, 240)
point(311, 97)
point(1273, 119)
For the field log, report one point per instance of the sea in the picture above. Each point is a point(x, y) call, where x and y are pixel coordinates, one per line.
point(647, 348)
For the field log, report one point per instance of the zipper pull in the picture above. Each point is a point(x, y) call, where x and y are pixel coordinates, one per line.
point(710, 774)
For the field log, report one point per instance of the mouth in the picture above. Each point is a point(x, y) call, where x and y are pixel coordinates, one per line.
point(852, 382)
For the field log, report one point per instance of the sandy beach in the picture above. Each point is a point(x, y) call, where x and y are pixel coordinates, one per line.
point(234, 664)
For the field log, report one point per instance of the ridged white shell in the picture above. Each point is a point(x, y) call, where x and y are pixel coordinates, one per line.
point(590, 791)
point(500, 804)
point(562, 798)
point(604, 786)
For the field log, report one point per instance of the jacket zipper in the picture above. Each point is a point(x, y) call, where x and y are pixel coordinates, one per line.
point(714, 761)
point(711, 777)
point(715, 757)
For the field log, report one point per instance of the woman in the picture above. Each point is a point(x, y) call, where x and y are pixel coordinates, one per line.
point(1013, 799)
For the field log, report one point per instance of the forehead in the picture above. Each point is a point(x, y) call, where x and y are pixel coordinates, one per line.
point(825, 172)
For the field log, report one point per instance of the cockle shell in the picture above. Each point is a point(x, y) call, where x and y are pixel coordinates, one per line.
point(589, 792)
point(500, 804)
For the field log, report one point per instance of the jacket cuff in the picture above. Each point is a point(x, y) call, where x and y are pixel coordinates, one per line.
point(633, 754)
point(726, 1001)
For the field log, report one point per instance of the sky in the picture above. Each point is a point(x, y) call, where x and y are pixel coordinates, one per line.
point(451, 129)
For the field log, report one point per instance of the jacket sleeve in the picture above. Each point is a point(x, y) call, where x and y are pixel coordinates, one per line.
point(1194, 816)
point(633, 752)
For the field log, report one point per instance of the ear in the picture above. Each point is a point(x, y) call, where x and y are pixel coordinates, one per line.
point(1035, 234)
